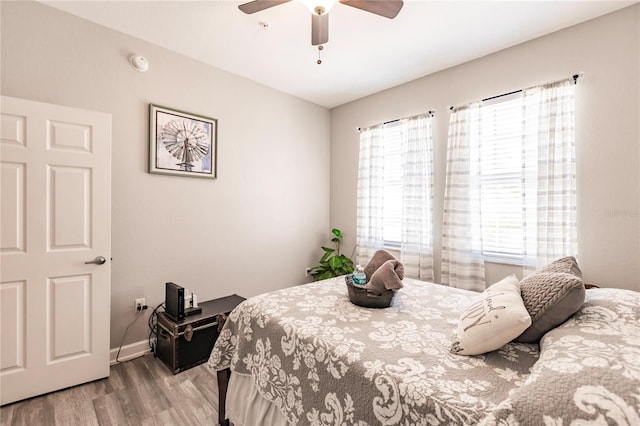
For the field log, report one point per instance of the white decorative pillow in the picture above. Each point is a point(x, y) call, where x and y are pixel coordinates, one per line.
point(497, 317)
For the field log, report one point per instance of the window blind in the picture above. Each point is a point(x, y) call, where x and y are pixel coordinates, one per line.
point(392, 177)
point(502, 156)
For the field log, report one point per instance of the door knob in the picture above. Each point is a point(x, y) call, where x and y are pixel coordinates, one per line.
point(99, 260)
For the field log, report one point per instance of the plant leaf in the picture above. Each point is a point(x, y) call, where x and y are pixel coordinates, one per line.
point(337, 233)
point(325, 275)
point(335, 262)
point(345, 258)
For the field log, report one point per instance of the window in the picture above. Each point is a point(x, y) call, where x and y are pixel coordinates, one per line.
point(395, 193)
point(508, 170)
point(500, 171)
point(392, 179)
point(510, 193)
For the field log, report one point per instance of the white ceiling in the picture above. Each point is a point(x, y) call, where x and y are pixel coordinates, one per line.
point(365, 53)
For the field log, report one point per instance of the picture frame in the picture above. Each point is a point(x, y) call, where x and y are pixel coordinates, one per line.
point(182, 143)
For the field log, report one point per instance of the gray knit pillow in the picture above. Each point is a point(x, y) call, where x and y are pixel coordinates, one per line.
point(551, 296)
point(568, 265)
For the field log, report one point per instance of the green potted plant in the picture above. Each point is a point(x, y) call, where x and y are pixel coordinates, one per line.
point(332, 263)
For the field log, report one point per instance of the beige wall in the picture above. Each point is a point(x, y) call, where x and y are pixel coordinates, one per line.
point(262, 221)
point(253, 229)
point(607, 51)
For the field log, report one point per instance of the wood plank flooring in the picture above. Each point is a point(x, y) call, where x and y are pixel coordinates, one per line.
point(138, 392)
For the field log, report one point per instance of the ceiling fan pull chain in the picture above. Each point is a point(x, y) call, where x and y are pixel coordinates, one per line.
point(320, 47)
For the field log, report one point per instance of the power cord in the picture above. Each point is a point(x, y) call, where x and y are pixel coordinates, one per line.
point(138, 315)
point(153, 335)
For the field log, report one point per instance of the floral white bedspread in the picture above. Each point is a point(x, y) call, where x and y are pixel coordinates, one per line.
point(324, 361)
point(588, 372)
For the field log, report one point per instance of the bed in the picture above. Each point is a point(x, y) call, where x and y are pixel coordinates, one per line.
point(307, 355)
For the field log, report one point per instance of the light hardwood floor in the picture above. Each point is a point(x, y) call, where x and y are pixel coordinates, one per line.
point(138, 392)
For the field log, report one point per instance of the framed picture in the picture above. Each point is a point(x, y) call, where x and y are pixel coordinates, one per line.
point(181, 143)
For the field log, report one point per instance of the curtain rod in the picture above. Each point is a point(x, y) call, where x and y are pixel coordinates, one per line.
point(430, 112)
point(575, 81)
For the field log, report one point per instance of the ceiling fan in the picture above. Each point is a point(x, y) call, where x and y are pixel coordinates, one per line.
point(320, 12)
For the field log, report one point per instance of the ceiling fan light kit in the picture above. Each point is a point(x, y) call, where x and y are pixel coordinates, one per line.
point(320, 13)
point(319, 7)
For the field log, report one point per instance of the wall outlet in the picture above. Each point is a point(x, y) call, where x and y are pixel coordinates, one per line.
point(139, 303)
point(307, 272)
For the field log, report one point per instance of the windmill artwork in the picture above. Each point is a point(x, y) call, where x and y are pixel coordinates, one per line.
point(182, 143)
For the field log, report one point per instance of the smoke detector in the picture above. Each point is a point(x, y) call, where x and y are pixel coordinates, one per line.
point(139, 63)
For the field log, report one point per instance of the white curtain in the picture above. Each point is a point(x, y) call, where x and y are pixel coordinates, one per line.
point(550, 228)
point(416, 245)
point(462, 261)
point(369, 236)
point(548, 185)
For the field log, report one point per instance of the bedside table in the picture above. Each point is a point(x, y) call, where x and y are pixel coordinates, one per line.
point(188, 342)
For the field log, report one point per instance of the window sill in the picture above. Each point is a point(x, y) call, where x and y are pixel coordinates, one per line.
point(391, 245)
point(503, 260)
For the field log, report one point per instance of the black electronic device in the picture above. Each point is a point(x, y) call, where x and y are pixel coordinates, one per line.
point(174, 301)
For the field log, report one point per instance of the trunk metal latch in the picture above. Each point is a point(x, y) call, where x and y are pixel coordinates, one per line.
point(188, 333)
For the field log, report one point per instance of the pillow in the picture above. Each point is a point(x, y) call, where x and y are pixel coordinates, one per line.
point(551, 295)
point(568, 265)
point(493, 320)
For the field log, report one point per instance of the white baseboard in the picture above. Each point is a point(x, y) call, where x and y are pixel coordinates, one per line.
point(129, 352)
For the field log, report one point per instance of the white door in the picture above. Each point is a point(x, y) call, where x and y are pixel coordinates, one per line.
point(55, 185)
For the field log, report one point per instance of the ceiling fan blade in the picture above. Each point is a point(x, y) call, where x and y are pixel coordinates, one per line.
point(319, 29)
point(258, 5)
point(387, 8)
